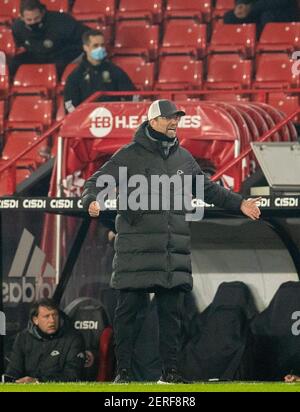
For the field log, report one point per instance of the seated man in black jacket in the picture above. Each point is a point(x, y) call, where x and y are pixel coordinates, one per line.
point(46, 36)
point(95, 73)
point(49, 349)
point(262, 12)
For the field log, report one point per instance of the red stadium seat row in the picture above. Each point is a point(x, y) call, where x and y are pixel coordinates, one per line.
point(28, 118)
point(183, 36)
point(224, 71)
point(106, 10)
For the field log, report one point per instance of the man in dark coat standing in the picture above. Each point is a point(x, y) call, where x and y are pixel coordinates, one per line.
point(46, 36)
point(153, 246)
point(49, 349)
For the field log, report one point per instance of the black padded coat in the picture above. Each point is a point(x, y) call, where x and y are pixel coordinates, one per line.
point(153, 247)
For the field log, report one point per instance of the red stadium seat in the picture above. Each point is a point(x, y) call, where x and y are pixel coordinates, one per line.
point(222, 6)
point(106, 30)
point(18, 141)
point(228, 71)
point(60, 111)
point(94, 10)
point(184, 36)
point(30, 113)
point(285, 103)
point(197, 9)
point(278, 37)
point(4, 82)
point(179, 73)
point(7, 179)
point(106, 356)
point(15, 175)
point(35, 79)
point(2, 117)
point(274, 70)
point(9, 10)
point(57, 5)
point(68, 70)
point(141, 72)
point(7, 43)
point(140, 9)
point(136, 38)
point(234, 38)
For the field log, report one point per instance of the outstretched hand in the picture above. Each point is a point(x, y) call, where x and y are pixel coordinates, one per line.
point(94, 209)
point(250, 209)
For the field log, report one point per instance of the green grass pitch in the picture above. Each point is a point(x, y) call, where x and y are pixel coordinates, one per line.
point(152, 387)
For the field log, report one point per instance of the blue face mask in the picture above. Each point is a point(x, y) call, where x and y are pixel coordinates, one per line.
point(99, 53)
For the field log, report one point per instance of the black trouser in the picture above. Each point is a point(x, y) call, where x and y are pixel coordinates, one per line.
point(168, 308)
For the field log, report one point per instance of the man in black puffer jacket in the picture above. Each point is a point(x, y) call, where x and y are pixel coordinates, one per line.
point(49, 349)
point(46, 36)
point(153, 246)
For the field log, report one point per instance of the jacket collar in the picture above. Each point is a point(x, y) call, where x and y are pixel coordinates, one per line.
point(143, 138)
